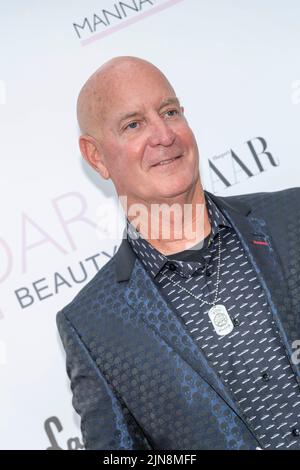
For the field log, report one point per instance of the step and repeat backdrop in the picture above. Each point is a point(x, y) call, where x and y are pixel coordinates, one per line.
point(236, 69)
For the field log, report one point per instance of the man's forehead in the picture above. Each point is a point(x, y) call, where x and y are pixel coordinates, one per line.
point(122, 85)
point(129, 85)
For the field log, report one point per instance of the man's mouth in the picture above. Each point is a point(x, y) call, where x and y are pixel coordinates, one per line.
point(166, 162)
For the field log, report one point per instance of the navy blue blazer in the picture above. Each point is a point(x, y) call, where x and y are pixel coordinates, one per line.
point(138, 379)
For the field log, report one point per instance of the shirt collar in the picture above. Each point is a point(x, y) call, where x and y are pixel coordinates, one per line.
point(154, 261)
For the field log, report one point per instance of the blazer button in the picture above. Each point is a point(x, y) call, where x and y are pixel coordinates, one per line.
point(296, 432)
point(236, 322)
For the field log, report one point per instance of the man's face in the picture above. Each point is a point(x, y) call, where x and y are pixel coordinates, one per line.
point(142, 125)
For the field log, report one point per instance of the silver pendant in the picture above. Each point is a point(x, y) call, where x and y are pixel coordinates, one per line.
point(220, 319)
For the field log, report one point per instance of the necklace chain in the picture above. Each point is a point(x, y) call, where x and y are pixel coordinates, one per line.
point(217, 282)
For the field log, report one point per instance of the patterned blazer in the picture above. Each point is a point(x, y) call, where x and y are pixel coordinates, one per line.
point(138, 379)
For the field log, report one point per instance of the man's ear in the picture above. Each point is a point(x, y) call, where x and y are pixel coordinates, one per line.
point(91, 152)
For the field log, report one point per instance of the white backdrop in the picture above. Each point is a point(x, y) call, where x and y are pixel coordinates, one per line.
point(236, 68)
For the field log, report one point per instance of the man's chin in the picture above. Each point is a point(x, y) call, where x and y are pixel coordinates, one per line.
point(173, 190)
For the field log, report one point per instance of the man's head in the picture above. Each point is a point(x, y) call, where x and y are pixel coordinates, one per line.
point(131, 120)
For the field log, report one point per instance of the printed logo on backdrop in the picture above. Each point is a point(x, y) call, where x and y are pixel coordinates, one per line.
point(233, 167)
point(70, 210)
point(44, 287)
point(53, 428)
point(116, 16)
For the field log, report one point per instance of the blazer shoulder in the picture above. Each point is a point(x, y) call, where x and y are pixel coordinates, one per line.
point(293, 193)
point(266, 201)
point(91, 293)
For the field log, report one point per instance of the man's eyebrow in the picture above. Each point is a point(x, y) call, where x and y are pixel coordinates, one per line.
point(173, 100)
point(132, 114)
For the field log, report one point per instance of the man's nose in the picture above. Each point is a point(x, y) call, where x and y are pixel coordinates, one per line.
point(161, 133)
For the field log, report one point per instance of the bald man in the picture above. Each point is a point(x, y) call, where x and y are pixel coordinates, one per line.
point(187, 337)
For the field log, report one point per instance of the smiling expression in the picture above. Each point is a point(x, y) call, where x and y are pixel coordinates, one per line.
point(144, 140)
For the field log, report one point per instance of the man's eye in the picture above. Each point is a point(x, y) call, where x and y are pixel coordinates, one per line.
point(172, 111)
point(132, 125)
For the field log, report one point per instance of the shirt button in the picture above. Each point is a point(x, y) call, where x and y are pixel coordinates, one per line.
point(296, 432)
point(172, 267)
point(265, 376)
point(236, 322)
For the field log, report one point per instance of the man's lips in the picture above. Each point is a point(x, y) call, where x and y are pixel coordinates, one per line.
point(165, 161)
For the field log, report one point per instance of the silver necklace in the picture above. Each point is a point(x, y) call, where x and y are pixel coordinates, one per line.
point(218, 313)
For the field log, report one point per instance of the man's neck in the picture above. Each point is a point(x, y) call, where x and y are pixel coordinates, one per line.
point(182, 227)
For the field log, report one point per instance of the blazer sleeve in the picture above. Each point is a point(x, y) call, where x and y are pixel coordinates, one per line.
point(106, 423)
